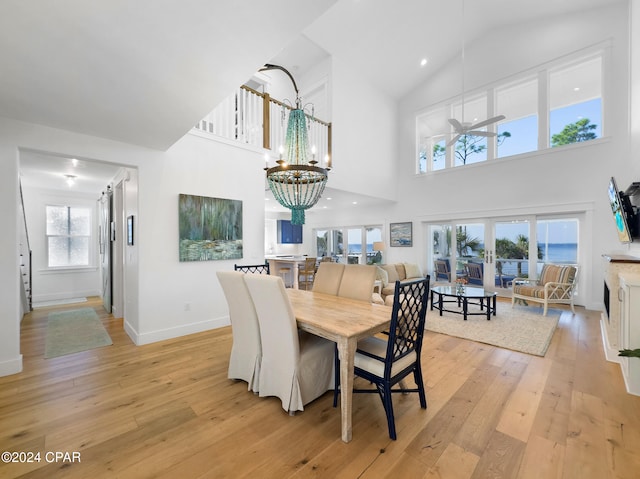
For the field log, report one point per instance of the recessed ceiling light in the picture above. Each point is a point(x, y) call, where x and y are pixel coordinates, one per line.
point(576, 88)
point(423, 62)
point(329, 199)
point(355, 203)
point(71, 179)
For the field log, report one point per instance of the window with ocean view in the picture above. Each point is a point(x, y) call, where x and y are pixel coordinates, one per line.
point(557, 241)
point(505, 248)
point(358, 249)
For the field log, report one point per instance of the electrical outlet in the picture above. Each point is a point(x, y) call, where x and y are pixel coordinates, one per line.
point(187, 306)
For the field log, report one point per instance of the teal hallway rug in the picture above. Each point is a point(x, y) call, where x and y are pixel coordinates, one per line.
point(74, 331)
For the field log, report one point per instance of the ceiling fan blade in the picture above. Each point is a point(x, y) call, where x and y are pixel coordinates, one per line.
point(487, 122)
point(481, 133)
point(456, 124)
point(453, 140)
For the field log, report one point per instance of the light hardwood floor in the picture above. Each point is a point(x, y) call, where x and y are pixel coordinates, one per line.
point(167, 410)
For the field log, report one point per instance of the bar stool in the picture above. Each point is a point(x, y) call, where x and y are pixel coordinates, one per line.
point(283, 272)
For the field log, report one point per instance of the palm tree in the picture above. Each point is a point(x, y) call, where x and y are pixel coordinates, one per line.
point(465, 244)
point(518, 249)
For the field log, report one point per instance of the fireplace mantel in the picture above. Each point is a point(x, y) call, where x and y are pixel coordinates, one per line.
point(614, 265)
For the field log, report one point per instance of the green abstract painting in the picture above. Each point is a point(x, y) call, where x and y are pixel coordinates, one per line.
point(210, 228)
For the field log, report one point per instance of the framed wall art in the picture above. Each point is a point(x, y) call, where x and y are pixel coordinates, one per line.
point(209, 228)
point(401, 234)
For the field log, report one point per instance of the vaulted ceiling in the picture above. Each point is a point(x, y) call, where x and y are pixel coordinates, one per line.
point(145, 71)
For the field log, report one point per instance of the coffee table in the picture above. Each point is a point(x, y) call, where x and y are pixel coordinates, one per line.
point(469, 295)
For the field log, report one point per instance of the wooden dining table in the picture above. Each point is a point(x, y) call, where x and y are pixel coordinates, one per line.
point(344, 321)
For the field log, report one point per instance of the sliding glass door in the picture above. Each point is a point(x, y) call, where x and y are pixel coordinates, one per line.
point(504, 248)
point(358, 248)
point(511, 251)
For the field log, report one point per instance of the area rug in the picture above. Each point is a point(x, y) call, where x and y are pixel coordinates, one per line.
point(57, 302)
point(73, 331)
point(521, 329)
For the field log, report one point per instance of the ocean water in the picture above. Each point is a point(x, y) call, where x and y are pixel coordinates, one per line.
point(560, 253)
point(551, 253)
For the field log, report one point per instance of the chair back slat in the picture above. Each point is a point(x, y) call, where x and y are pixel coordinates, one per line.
point(253, 268)
point(407, 320)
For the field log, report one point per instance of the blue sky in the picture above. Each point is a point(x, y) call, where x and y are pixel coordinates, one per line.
point(524, 131)
point(553, 231)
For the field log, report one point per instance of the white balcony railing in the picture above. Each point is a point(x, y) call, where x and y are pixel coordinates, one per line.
point(256, 119)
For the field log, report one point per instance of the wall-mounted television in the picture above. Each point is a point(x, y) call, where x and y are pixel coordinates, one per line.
point(623, 213)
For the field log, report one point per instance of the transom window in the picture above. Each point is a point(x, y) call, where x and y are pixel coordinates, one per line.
point(553, 105)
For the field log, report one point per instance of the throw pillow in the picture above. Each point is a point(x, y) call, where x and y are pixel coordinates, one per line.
point(391, 273)
point(382, 276)
point(413, 270)
point(402, 275)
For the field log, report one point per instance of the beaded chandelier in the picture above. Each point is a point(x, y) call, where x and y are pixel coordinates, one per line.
point(296, 182)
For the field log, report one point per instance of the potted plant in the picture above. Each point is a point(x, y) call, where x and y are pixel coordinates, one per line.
point(631, 353)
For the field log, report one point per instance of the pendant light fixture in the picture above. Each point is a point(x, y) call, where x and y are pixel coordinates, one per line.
point(297, 183)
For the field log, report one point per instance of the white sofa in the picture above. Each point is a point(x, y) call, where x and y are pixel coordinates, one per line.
point(388, 274)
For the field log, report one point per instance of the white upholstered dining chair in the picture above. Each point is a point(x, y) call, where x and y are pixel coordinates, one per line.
point(246, 351)
point(357, 281)
point(328, 278)
point(297, 366)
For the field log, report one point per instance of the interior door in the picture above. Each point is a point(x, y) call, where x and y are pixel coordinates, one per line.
point(105, 207)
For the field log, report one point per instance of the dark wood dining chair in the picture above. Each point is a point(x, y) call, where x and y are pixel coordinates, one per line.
point(253, 268)
point(386, 362)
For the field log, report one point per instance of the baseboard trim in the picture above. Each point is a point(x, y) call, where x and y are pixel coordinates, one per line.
point(611, 354)
point(12, 366)
point(140, 339)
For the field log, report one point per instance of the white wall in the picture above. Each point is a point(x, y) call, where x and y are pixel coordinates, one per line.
point(364, 135)
point(155, 303)
point(10, 357)
point(570, 179)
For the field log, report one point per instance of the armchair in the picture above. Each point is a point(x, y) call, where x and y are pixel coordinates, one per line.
point(474, 273)
point(556, 285)
point(442, 270)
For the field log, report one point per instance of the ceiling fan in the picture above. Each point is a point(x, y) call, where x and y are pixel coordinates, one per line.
point(468, 128)
point(472, 129)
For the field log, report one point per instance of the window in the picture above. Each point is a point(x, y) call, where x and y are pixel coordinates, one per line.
point(575, 95)
point(470, 148)
point(558, 241)
point(432, 128)
point(562, 99)
point(68, 234)
point(359, 247)
point(518, 133)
